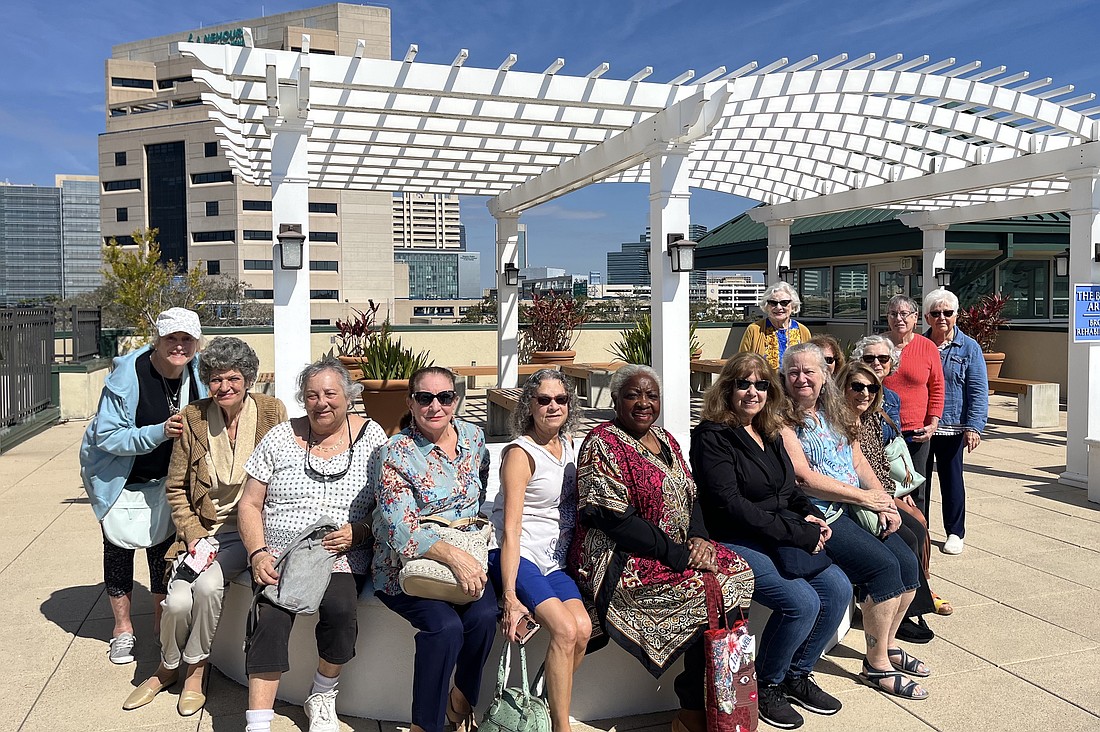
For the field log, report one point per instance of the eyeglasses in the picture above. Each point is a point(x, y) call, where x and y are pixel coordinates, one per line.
point(883, 359)
point(859, 387)
point(744, 384)
point(779, 303)
point(901, 315)
point(424, 398)
point(544, 400)
point(830, 360)
point(944, 313)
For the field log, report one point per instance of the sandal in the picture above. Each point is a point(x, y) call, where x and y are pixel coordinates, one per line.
point(943, 607)
point(461, 722)
point(902, 686)
point(908, 664)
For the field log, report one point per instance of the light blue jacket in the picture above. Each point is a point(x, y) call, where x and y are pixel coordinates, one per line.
point(965, 383)
point(112, 440)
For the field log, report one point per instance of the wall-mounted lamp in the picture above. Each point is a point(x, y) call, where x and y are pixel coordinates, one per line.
point(511, 275)
point(943, 277)
point(682, 252)
point(1061, 263)
point(785, 274)
point(291, 239)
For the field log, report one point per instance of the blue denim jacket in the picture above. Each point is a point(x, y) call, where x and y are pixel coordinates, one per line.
point(891, 404)
point(966, 385)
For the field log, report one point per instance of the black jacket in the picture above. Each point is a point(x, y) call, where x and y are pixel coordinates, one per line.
point(742, 496)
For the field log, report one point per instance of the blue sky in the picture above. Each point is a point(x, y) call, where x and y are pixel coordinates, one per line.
point(51, 93)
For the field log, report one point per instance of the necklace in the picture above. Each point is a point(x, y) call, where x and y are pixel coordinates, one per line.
point(173, 400)
point(317, 474)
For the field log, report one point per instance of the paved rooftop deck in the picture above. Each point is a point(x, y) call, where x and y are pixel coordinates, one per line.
point(1021, 650)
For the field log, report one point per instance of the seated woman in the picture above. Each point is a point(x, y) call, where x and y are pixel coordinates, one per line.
point(534, 517)
point(641, 546)
point(436, 467)
point(204, 485)
point(821, 440)
point(834, 354)
point(863, 392)
point(748, 494)
point(306, 469)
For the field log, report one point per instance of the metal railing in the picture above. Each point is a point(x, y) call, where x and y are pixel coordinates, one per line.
point(85, 330)
point(26, 355)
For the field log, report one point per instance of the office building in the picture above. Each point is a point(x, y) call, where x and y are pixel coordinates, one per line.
point(630, 265)
point(441, 275)
point(559, 284)
point(427, 221)
point(49, 240)
point(735, 295)
point(161, 167)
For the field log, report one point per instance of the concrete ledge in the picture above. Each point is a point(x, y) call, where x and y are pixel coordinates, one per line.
point(79, 387)
point(17, 433)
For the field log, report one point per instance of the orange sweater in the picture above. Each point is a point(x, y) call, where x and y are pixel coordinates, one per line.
point(919, 383)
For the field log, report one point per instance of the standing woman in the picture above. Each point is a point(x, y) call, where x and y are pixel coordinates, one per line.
point(777, 330)
point(534, 518)
point(436, 467)
point(965, 410)
point(918, 380)
point(124, 459)
point(204, 485)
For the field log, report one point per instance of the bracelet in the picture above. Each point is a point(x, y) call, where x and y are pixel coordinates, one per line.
point(253, 554)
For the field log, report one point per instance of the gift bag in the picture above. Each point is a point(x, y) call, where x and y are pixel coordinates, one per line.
point(730, 654)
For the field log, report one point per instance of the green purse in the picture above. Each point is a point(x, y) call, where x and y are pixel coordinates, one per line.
point(522, 709)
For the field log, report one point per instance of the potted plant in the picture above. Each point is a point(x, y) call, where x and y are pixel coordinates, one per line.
point(353, 335)
point(636, 344)
point(387, 366)
point(982, 322)
point(552, 321)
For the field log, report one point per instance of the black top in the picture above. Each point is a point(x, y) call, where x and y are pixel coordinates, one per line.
point(635, 535)
point(156, 398)
point(748, 493)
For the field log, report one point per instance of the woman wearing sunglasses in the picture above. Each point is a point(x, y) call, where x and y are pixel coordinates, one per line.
point(752, 504)
point(534, 517)
point(834, 354)
point(306, 469)
point(965, 410)
point(777, 330)
point(436, 467)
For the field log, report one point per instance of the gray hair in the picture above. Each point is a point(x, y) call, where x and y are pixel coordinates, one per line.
point(941, 295)
point(876, 340)
point(830, 400)
point(905, 300)
point(785, 288)
point(626, 373)
point(229, 354)
point(521, 415)
point(352, 388)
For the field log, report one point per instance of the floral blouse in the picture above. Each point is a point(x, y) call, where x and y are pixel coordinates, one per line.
point(418, 479)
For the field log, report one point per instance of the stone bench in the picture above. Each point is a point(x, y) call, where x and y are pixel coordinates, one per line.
point(500, 403)
point(1037, 403)
point(593, 381)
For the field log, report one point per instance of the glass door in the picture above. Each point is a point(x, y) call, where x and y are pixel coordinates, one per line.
point(887, 279)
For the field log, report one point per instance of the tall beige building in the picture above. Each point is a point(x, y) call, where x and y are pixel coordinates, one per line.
point(426, 221)
point(160, 166)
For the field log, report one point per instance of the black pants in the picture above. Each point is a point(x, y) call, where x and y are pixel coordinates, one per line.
point(914, 535)
point(689, 684)
point(118, 568)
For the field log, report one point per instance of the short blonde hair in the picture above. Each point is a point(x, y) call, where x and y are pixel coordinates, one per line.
point(786, 289)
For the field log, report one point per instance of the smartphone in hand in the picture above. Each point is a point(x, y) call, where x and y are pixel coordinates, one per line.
point(525, 628)
point(190, 566)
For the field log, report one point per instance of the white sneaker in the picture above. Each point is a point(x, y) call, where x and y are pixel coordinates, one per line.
point(953, 545)
point(121, 649)
point(321, 712)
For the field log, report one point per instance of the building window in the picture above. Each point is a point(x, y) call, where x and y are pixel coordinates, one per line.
point(120, 158)
point(815, 289)
point(122, 241)
point(219, 176)
point(214, 267)
point(210, 149)
point(169, 83)
point(129, 184)
point(851, 287)
point(211, 208)
point(130, 83)
point(257, 264)
point(320, 321)
point(256, 205)
point(208, 236)
point(122, 214)
point(259, 294)
point(324, 265)
point(324, 294)
point(257, 234)
point(1025, 284)
point(322, 208)
point(323, 236)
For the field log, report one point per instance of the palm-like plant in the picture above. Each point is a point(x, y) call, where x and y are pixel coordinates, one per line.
point(384, 358)
point(636, 344)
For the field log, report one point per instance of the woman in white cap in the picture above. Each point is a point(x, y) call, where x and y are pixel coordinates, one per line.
point(124, 460)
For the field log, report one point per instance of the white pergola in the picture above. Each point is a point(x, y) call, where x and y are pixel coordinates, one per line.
point(949, 142)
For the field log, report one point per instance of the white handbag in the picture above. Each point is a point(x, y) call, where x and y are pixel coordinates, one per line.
point(434, 580)
point(140, 518)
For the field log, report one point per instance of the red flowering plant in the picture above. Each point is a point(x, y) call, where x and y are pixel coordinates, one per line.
point(552, 320)
point(983, 320)
point(354, 334)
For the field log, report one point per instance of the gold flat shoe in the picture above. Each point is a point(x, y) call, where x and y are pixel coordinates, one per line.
point(190, 702)
point(143, 694)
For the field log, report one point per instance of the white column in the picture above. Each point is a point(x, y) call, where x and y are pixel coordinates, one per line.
point(779, 247)
point(290, 205)
point(669, 200)
point(507, 302)
point(1083, 399)
point(934, 239)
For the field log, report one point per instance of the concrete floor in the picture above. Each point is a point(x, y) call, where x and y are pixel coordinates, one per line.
point(1022, 649)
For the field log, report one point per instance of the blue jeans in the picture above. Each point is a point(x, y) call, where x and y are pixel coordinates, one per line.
point(881, 569)
point(804, 615)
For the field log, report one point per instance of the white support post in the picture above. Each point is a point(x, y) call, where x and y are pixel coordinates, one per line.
point(507, 302)
point(290, 205)
point(934, 238)
point(1083, 394)
point(779, 247)
point(669, 200)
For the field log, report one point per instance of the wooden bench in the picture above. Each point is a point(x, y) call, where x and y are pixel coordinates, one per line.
point(593, 381)
point(703, 371)
point(470, 373)
point(1037, 403)
point(501, 403)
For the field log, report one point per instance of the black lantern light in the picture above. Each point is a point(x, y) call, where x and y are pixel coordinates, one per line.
point(291, 241)
point(682, 252)
point(511, 275)
point(943, 277)
point(784, 274)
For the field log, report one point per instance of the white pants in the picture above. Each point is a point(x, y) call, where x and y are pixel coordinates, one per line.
point(192, 609)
